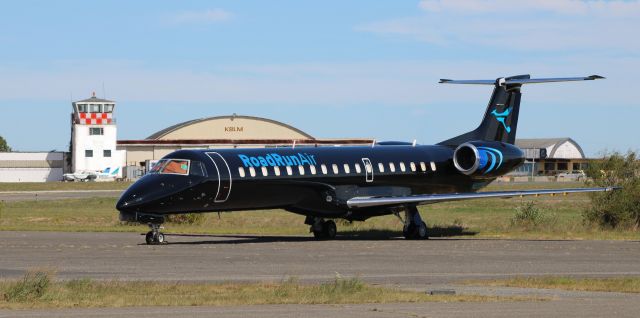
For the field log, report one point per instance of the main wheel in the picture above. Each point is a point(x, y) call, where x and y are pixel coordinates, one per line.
point(159, 239)
point(408, 231)
point(329, 230)
point(149, 238)
point(421, 232)
point(415, 232)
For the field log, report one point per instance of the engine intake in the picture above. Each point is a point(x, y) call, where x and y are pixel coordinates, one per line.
point(487, 159)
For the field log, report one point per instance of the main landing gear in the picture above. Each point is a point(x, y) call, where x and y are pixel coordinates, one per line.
point(322, 230)
point(414, 228)
point(154, 237)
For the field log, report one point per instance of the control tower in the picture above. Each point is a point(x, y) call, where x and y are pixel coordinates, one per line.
point(94, 138)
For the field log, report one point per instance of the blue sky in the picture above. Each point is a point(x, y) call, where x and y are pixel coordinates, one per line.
point(331, 68)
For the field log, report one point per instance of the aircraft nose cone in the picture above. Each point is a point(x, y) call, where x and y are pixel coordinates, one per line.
point(131, 198)
point(126, 201)
point(122, 204)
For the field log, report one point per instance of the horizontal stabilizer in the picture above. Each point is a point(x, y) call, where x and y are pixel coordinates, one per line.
point(366, 202)
point(521, 79)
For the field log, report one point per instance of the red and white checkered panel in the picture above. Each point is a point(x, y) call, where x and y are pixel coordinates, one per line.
point(95, 118)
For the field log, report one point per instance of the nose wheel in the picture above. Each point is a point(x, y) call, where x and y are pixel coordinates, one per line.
point(154, 237)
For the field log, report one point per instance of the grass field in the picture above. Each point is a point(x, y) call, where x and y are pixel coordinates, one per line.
point(39, 290)
point(561, 218)
point(615, 284)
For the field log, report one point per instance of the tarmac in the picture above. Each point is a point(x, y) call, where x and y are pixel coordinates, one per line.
point(414, 265)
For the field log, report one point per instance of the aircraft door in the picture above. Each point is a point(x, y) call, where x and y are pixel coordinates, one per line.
point(368, 169)
point(224, 176)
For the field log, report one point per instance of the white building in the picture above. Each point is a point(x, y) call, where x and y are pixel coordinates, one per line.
point(551, 156)
point(94, 138)
point(31, 166)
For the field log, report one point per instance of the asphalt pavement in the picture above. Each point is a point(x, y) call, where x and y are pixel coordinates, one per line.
point(415, 265)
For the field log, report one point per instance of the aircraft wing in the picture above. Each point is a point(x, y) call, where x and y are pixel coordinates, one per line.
point(366, 202)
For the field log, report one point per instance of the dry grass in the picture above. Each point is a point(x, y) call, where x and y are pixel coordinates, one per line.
point(482, 218)
point(88, 293)
point(616, 284)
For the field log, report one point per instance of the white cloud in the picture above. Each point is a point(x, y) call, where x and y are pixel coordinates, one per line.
point(567, 7)
point(202, 17)
point(546, 25)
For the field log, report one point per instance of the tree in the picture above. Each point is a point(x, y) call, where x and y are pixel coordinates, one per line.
point(619, 208)
point(4, 147)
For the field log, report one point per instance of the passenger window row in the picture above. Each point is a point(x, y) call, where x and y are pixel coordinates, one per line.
point(335, 169)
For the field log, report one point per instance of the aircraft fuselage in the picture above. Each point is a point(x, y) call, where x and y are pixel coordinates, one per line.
point(314, 181)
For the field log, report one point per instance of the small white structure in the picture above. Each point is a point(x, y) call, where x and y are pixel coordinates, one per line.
point(31, 166)
point(94, 138)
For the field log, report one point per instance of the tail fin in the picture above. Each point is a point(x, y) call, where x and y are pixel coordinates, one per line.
point(500, 120)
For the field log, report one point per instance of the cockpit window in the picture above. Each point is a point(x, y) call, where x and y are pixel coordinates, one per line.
point(157, 167)
point(171, 166)
point(198, 169)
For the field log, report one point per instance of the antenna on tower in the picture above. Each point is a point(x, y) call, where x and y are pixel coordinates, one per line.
point(104, 91)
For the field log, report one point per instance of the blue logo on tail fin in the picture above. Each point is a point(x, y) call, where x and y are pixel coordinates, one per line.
point(501, 117)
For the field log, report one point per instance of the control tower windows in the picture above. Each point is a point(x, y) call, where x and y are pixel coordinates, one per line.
point(108, 108)
point(82, 108)
point(95, 108)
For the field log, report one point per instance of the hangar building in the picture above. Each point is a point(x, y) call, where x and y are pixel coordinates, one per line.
point(232, 131)
point(32, 166)
point(551, 156)
point(221, 132)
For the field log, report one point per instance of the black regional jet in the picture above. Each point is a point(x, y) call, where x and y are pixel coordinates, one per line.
point(352, 183)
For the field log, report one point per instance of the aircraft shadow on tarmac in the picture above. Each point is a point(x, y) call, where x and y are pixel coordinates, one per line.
point(362, 235)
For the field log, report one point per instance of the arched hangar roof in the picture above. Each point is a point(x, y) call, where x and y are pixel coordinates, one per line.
point(558, 148)
point(230, 127)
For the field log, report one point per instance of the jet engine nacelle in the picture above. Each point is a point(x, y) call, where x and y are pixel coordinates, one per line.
point(487, 159)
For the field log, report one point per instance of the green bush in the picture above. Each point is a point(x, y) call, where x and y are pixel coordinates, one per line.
point(528, 215)
point(621, 208)
point(186, 218)
point(32, 286)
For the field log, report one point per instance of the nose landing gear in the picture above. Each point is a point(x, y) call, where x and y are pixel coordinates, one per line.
point(154, 237)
